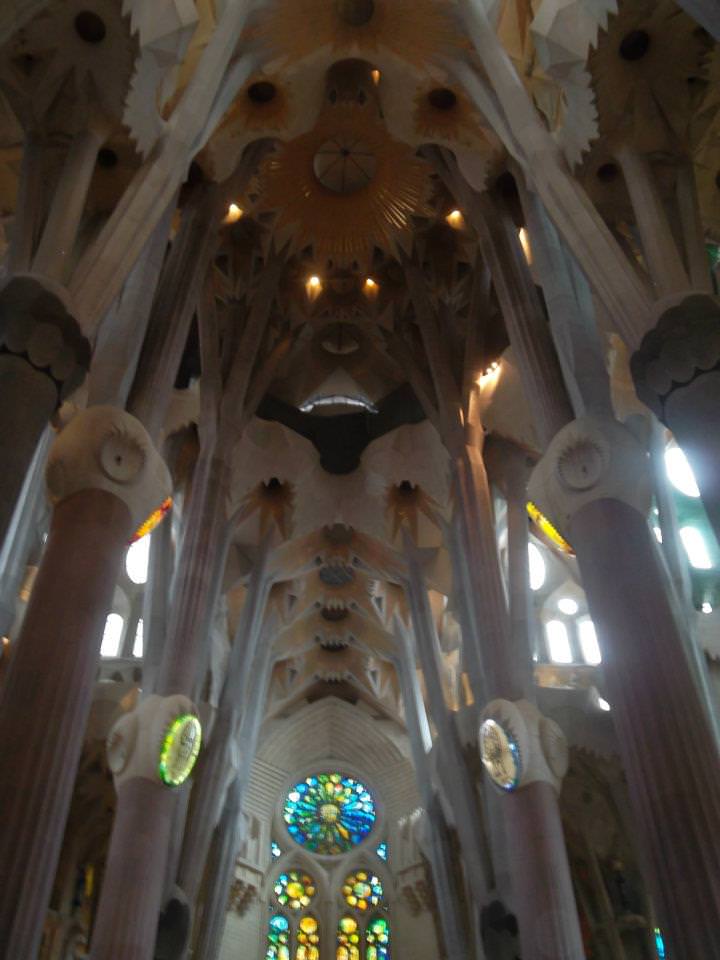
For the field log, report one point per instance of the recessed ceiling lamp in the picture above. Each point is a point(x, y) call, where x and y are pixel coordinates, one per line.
point(525, 244)
point(233, 213)
point(313, 285)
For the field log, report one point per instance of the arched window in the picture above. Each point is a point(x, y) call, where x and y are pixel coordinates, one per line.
point(137, 559)
point(278, 938)
point(364, 932)
point(112, 636)
point(308, 939)
point(348, 946)
point(377, 939)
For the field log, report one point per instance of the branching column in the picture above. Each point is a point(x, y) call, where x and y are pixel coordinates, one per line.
point(105, 479)
point(43, 358)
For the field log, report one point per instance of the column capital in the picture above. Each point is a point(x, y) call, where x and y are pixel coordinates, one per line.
point(519, 746)
point(106, 448)
point(591, 458)
point(36, 325)
point(683, 345)
point(158, 741)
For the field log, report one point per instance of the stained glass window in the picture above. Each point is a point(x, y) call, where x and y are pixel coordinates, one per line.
point(362, 890)
point(328, 813)
point(348, 947)
point(294, 889)
point(278, 938)
point(382, 851)
point(308, 940)
point(275, 850)
point(377, 939)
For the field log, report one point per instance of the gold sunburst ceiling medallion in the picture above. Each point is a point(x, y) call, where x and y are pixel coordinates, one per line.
point(345, 187)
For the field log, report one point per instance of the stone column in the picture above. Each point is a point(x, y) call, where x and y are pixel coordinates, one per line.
point(43, 358)
point(105, 479)
point(23, 536)
point(661, 253)
point(220, 877)
point(145, 804)
point(217, 769)
point(594, 483)
point(452, 927)
point(217, 892)
point(677, 374)
point(462, 798)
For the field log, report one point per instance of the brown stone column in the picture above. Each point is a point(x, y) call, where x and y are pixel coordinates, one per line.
point(45, 703)
point(127, 918)
point(542, 885)
point(665, 739)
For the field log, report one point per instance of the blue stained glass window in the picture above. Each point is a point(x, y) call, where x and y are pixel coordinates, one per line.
point(278, 947)
point(659, 944)
point(275, 850)
point(328, 813)
point(382, 851)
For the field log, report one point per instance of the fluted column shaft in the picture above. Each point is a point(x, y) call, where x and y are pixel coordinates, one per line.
point(212, 777)
point(462, 797)
point(127, 917)
point(452, 927)
point(146, 807)
point(46, 700)
point(666, 743)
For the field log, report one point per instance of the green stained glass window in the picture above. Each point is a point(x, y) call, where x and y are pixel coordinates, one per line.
point(328, 813)
point(377, 939)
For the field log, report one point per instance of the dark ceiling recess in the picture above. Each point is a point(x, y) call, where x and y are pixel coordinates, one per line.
point(334, 614)
point(607, 172)
point(107, 158)
point(442, 98)
point(356, 13)
point(90, 27)
point(635, 45)
point(341, 439)
point(262, 92)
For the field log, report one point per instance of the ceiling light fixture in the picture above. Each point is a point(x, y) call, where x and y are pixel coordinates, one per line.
point(456, 219)
point(233, 214)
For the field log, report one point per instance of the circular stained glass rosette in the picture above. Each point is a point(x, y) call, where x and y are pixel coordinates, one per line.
point(500, 754)
point(294, 889)
point(329, 814)
point(179, 749)
point(362, 890)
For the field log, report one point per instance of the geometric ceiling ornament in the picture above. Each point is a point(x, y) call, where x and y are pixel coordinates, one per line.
point(345, 187)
